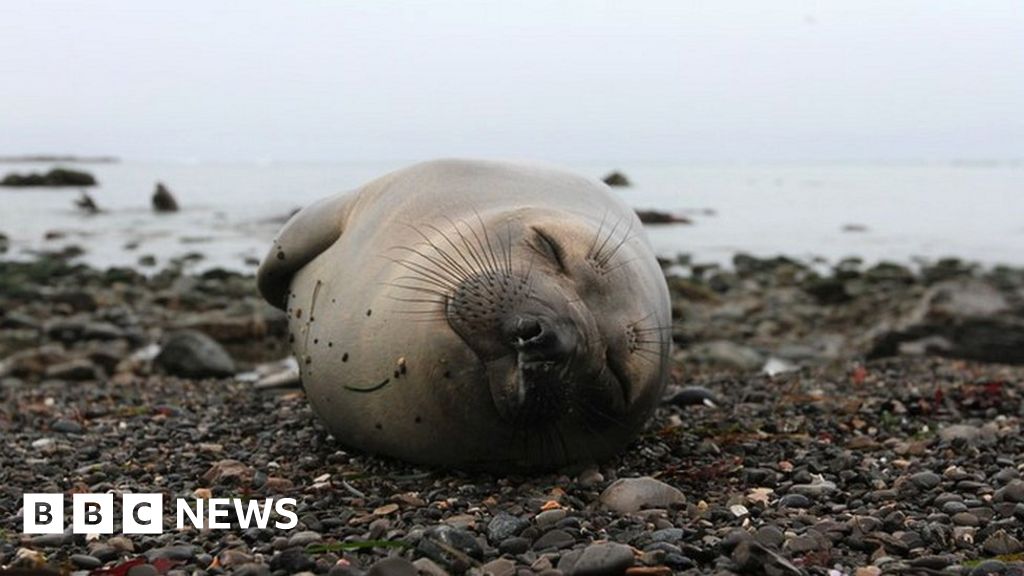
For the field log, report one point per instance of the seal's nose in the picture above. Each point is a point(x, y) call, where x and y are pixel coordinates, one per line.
point(537, 338)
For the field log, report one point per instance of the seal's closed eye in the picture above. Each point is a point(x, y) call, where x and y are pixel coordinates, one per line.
point(548, 247)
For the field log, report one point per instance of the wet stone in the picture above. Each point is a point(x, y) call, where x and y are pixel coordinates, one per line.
point(556, 538)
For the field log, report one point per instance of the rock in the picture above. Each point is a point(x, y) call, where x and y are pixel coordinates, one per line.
point(795, 500)
point(1001, 544)
point(634, 494)
point(961, 318)
point(293, 560)
point(658, 217)
point(142, 570)
point(729, 355)
point(452, 547)
point(163, 200)
point(603, 559)
point(304, 538)
point(549, 517)
point(427, 567)
point(54, 178)
point(1012, 492)
point(66, 426)
point(181, 552)
point(556, 538)
point(616, 178)
point(514, 545)
point(227, 472)
point(926, 480)
point(86, 204)
point(192, 354)
point(394, 566)
point(499, 567)
point(504, 525)
point(76, 370)
point(85, 561)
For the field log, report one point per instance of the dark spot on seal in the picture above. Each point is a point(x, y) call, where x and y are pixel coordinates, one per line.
point(280, 255)
point(330, 344)
point(397, 374)
point(418, 419)
point(298, 312)
point(369, 311)
point(333, 301)
point(308, 359)
point(378, 426)
point(315, 340)
point(447, 373)
point(291, 338)
point(344, 357)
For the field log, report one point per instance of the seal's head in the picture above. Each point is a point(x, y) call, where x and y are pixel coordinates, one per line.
point(554, 306)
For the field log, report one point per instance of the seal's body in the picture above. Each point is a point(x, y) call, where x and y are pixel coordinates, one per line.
point(475, 314)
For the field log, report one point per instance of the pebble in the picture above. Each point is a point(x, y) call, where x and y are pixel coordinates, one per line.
point(393, 566)
point(304, 538)
point(66, 426)
point(85, 561)
point(635, 494)
point(603, 559)
point(499, 567)
point(549, 517)
point(291, 560)
point(795, 501)
point(556, 538)
point(514, 545)
point(1000, 544)
point(964, 519)
point(143, 570)
point(504, 526)
point(926, 480)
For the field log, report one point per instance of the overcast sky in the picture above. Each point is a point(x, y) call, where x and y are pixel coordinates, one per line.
point(669, 80)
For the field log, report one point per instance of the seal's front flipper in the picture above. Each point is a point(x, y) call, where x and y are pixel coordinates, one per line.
point(308, 233)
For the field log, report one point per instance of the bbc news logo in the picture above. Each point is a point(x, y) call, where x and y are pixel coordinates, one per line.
point(144, 513)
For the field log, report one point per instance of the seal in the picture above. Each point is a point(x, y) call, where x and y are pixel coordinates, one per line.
point(475, 314)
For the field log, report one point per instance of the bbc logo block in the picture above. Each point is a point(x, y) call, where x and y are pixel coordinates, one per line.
point(144, 513)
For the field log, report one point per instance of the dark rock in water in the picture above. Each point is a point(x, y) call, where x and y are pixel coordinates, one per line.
point(616, 178)
point(86, 204)
point(53, 178)
point(854, 228)
point(192, 354)
point(964, 318)
point(163, 200)
point(656, 217)
point(4, 243)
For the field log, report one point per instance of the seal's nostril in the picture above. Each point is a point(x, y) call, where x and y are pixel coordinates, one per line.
point(526, 330)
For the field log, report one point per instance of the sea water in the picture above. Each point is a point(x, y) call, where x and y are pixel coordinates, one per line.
point(230, 211)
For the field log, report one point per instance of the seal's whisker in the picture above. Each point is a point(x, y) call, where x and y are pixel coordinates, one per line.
point(447, 288)
point(487, 238)
point(600, 249)
point(627, 235)
point(593, 245)
point(480, 266)
point(470, 268)
point(453, 274)
point(444, 262)
point(620, 265)
point(422, 289)
point(422, 270)
point(444, 254)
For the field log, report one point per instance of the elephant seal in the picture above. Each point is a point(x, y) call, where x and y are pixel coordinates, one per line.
point(476, 315)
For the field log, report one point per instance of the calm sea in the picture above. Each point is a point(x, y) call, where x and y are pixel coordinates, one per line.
point(877, 212)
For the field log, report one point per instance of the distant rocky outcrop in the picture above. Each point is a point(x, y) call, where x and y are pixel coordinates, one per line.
point(963, 318)
point(616, 178)
point(54, 178)
point(163, 200)
point(657, 217)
